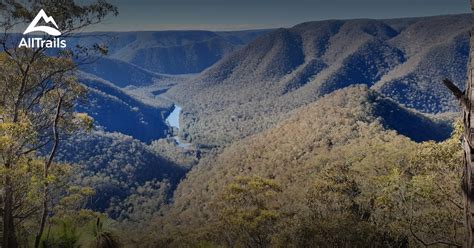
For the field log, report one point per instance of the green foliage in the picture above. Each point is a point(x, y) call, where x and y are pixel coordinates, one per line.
point(168, 149)
point(27, 125)
point(247, 212)
point(69, 15)
point(343, 181)
point(65, 234)
point(85, 229)
point(38, 93)
point(391, 195)
point(132, 181)
point(102, 237)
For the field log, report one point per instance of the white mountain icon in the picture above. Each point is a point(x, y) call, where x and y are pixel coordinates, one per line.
point(48, 19)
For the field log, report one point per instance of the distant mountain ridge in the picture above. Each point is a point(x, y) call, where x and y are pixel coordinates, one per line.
point(138, 59)
point(257, 86)
point(251, 80)
point(272, 100)
point(120, 73)
point(169, 52)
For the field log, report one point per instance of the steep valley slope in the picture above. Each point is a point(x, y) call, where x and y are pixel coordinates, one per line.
point(352, 126)
point(258, 86)
point(276, 103)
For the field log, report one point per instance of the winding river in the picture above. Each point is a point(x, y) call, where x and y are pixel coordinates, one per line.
point(173, 121)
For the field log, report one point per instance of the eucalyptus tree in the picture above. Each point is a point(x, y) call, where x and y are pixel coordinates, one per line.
point(38, 93)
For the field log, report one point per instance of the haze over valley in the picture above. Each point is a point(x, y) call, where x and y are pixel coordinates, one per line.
point(333, 133)
point(248, 101)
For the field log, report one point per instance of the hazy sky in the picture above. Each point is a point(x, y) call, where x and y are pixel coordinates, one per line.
point(250, 14)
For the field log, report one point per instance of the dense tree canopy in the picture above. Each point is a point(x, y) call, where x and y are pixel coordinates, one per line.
point(340, 180)
point(38, 92)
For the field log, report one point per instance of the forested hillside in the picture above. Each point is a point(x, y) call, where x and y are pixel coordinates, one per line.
point(329, 175)
point(303, 118)
point(332, 133)
point(170, 52)
point(131, 179)
point(121, 73)
point(116, 111)
point(121, 84)
point(257, 86)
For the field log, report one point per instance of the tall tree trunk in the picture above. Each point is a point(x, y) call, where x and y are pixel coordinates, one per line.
point(468, 193)
point(47, 166)
point(466, 99)
point(9, 237)
point(468, 147)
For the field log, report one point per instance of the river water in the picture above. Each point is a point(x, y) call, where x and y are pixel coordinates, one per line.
point(173, 121)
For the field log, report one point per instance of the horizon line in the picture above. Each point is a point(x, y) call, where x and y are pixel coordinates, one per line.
point(248, 27)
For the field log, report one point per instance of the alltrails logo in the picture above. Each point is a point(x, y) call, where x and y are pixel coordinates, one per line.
point(40, 42)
